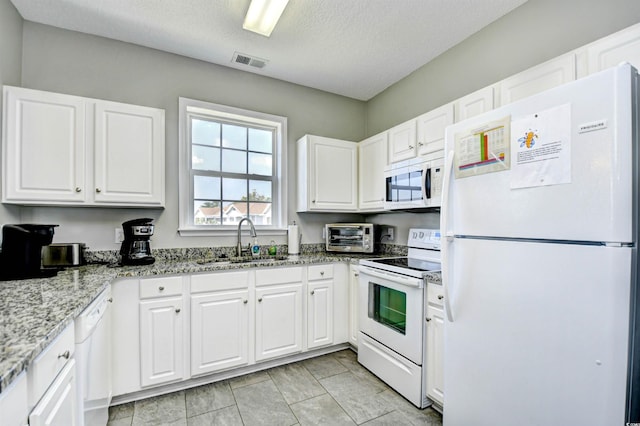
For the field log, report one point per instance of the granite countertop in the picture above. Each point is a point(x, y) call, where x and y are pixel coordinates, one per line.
point(34, 312)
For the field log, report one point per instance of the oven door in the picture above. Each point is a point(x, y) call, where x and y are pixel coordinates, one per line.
point(391, 311)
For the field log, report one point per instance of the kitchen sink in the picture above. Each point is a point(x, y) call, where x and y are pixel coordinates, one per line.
point(251, 259)
point(243, 259)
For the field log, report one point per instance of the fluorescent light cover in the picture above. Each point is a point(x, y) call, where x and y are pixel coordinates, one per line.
point(263, 16)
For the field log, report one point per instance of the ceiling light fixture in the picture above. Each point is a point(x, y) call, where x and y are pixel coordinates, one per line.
point(263, 16)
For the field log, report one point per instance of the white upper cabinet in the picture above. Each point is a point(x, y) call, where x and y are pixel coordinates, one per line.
point(372, 159)
point(474, 104)
point(327, 174)
point(431, 127)
point(43, 147)
point(129, 138)
point(68, 150)
point(402, 141)
point(623, 46)
point(545, 76)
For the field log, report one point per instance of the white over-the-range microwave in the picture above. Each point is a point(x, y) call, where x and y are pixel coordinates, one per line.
point(414, 183)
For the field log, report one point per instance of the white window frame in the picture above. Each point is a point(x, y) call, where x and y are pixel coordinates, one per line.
point(185, 197)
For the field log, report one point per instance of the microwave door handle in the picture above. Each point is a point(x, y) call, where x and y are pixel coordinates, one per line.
point(426, 187)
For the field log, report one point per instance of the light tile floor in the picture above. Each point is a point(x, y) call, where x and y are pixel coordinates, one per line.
point(328, 390)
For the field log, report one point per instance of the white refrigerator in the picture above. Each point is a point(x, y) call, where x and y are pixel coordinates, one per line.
point(539, 259)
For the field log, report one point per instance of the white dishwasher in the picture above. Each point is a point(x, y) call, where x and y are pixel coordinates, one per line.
point(93, 358)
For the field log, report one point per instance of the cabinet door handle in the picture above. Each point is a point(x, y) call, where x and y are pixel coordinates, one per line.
point(420, 144)
point(440, 297)
point(410, 146)
point(322, 273)
point(427, 319)
point(66, 354)
point(110, 300)
point(161, 288)
point(356, 274)
point(313, 201)
point(313, 292)
point(260, 299)
point(78, 189)
point(98, 190)
point(245, 301)
point(177, 310)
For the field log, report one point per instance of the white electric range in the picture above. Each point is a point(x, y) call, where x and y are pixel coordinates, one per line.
point(392, 300)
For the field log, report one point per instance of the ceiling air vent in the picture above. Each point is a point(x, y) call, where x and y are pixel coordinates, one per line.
point(252, 61)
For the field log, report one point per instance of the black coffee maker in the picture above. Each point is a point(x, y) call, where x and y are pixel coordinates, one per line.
point(21, 255)
point(135, 249)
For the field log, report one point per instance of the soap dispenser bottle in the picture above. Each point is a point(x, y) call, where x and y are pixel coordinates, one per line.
point(255, 248)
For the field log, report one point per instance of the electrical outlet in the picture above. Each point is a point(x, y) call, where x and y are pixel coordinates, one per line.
point(119, 235)
point(390, 233)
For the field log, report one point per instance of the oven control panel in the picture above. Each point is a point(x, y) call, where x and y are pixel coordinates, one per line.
point(424, 238)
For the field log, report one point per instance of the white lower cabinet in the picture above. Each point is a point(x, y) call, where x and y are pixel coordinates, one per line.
point(278, 313)
point(319, 306)
point(220, 315)
point(58, 405)
point(435, 343)
point(14, 409)
point(161, 331)
point(234, 319)
point(125, 336)
point(354, 279)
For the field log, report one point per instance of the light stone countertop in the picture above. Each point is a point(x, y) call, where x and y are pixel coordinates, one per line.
point(34, 312)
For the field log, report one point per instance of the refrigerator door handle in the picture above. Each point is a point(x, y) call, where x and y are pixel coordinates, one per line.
point(448, 235)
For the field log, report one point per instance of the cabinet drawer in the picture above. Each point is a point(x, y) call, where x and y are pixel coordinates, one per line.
point(49, 363)
point(435, 294)
point(219, 281)
point(320, 272)
point(279, 276)
point(159, 287)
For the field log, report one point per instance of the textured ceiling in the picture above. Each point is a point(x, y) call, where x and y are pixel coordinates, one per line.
point(355, 48)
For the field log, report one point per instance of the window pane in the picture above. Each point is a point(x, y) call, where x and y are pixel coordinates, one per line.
point(260, 164)
point(234, 136)
point(261, 140)
point(259, 190)
point(234, 189)
point(234, 161)
point(205, 132)
point(205, 158)
point(206, 187)
point(206, 212)
point(260, 213)
point(233, 212)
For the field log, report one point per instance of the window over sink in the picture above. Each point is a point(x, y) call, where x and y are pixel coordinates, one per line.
point(232, 165)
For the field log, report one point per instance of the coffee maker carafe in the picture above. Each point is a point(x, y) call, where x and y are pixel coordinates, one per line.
point(135, 248)
point(21, 255)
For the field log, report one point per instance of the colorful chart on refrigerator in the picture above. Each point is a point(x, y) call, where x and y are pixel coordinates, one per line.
point(483, 149)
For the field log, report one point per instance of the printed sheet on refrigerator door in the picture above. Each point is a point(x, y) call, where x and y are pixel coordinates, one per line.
point(541, 148)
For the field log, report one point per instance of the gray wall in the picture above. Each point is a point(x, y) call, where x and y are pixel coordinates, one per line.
point(79, 64)
point(535, 32)
point(10, 71)
point(74, 63)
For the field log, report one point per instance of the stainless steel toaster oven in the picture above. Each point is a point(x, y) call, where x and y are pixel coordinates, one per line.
point(352, 237)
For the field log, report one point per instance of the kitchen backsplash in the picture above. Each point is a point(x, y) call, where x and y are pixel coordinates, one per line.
point(181, 254)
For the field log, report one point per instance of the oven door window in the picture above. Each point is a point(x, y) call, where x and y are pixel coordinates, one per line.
point(389, 307)
point(405, 187)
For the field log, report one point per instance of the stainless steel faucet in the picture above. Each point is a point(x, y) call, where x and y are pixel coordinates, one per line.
point(239, 249)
